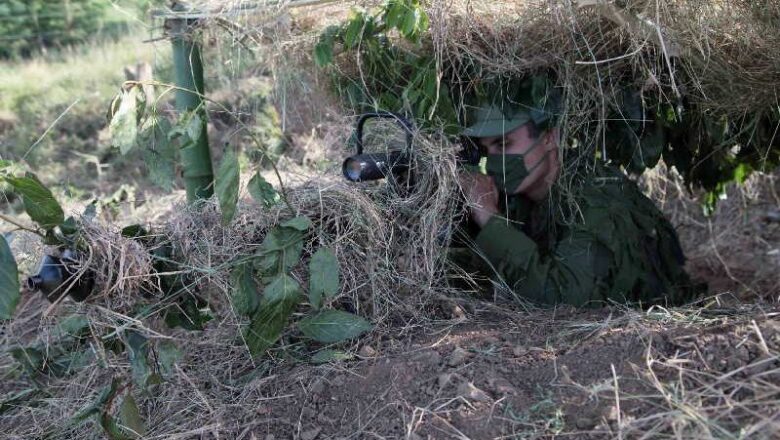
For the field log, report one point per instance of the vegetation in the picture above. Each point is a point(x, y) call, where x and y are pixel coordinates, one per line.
point(28, 27)
point(196, 316)
point(401, 69)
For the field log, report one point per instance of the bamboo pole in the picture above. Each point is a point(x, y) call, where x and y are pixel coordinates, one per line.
point(195, 156)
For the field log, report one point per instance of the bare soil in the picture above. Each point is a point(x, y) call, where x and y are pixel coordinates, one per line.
point(546, 374)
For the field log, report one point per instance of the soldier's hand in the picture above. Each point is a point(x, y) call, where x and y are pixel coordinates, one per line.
point(481, 195)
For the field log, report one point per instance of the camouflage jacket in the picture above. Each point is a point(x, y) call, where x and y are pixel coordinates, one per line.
point(619, 247)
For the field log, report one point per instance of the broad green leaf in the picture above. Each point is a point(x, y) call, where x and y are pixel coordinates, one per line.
point(134, 231)
point(226, 185)
point(112, 429)
point(194, 126)
point(394, 11)
point(138, 352)
point(262, 191)
point(69, 227)
point(31, 359)
point(354, 30)
point(742, 172)
point(39, 202)
point(167, 355)
point(95, 407)
point(407, 23)
point(130, 418)
point(90, 212)
point(124, 122)
point(323, 53)
point(279, 238)
point(328, 355)
point(75, 326)
point(266, 326)
point(9, 281)
point(188, 314)
point(13, 400)
point(323, 276)
point(245, 296)
point(280, 251)
point(300, 223)
point(329, 326)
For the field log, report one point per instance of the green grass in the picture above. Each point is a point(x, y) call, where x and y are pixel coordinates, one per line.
point(37, 92)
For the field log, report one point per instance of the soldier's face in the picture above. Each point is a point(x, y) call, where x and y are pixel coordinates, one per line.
point(540, 156)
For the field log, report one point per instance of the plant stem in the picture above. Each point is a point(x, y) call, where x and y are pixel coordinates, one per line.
point(260, 146)
point(19, 225)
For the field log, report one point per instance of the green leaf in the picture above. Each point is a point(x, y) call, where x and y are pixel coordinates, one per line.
point(278, 302)
point(134, 231)
point(323, 276)
point(95, 407)
point(5, 164)
point(39, 202)
point(124, 122)
point(409, 23)
point(187, 314)
point(167, 355)
point(329, 326)
point(328, 355)
point(9, 281)
point(76, 326)
point(245, 296)
point(69, 227)
point(354, 30)
point(194, 127)
point(138, 352)
point(742, 172)
point(280, 251)
point(112, 429)
point(14, 400)
point(394, 10)
point(130, 417)
point(226, 185)
point(31, 359)
point(262, 191)
point(300, 223)
point(323, 53)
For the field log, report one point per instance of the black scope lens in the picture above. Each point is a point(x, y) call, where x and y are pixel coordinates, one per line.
point(374, 166)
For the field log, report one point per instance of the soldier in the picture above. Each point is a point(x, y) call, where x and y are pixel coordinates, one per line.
point(616, 245)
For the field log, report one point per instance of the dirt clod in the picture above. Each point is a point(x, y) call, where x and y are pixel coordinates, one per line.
point(471, 392)
point(458, 357)
point(311, 434)
point(367, 351)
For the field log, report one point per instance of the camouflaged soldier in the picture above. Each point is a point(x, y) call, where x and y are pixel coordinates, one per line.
point(618, 247)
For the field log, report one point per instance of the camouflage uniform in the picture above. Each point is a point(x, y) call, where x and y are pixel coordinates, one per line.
point(618, 247)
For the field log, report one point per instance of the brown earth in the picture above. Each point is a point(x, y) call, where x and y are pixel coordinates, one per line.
point(487, 372)
point(553, 373)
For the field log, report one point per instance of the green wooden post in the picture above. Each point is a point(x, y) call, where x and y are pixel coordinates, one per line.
point(195, 156)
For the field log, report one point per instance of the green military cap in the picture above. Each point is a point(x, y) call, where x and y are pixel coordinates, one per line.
point(489, 121)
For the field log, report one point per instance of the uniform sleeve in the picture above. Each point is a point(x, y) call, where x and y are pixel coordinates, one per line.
point(569, 274)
